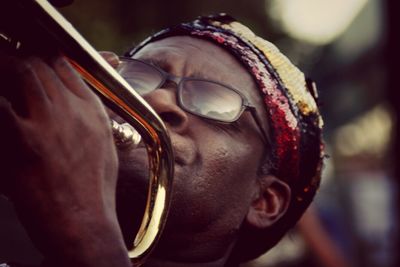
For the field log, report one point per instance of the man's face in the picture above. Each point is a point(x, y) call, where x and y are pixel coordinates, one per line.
point(215, 164)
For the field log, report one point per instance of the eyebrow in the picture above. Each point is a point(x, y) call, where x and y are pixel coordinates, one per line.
point(165, 65)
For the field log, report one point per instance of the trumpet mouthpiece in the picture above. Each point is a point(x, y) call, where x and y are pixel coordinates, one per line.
point(125, 135)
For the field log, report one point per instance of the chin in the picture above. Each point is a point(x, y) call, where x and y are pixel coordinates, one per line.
point(132, 190)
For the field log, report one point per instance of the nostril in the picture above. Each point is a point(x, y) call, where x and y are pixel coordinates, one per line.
point(165, 104)
point(171, 118)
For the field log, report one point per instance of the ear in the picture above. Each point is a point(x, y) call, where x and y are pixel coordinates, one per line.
point(270, 202)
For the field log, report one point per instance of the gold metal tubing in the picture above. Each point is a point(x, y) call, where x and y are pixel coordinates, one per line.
point(122, 99)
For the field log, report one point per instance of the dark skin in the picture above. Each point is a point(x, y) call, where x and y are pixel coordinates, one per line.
point(217, 185)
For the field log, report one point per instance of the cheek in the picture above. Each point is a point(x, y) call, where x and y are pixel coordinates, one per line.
point(230, 173)
point(221, 161)
point(218, 187)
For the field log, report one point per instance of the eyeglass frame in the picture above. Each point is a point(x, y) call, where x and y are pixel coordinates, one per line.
point(246, 105)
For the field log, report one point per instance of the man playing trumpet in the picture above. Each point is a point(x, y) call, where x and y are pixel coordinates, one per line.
point(246, 134)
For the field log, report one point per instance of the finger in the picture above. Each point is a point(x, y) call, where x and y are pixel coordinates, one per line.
point(71, 78)
point(49, 82)
point(111, 58)
point(9, 120)
point(10, 132)
point(22, 88)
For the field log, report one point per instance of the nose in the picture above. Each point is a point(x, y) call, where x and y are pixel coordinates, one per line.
point(163, 101)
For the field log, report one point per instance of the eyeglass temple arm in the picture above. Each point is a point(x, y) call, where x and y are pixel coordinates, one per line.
point(258, 122)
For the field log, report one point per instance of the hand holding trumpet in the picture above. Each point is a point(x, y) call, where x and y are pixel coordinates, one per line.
point(58, 161)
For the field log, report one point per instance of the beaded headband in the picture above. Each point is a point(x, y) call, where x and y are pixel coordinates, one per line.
point(290, 101)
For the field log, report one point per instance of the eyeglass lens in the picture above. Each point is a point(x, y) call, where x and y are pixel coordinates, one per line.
point(142, 77)
point(201, 97)
point(211, 100)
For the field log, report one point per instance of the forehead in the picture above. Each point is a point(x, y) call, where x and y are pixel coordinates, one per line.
point(189, 56)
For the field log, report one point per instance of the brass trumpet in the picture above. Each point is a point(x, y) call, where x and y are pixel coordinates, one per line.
point(32, 24)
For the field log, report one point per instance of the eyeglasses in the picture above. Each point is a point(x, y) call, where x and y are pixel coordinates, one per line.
point(204, 98)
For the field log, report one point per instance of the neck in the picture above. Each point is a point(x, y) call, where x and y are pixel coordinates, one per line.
point(190, 259)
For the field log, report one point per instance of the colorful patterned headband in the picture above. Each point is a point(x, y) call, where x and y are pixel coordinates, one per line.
point(290, 101)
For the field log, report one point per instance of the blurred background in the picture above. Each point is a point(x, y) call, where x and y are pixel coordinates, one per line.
point(349, 48)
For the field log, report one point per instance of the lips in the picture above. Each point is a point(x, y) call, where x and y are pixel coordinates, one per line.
point(129, 154)
point(179, 161)
point(183, 152)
